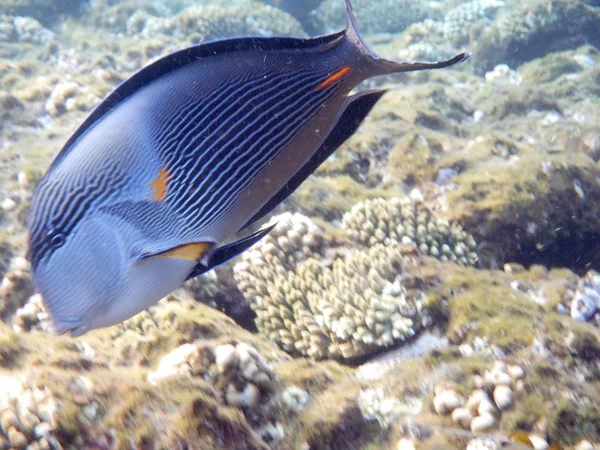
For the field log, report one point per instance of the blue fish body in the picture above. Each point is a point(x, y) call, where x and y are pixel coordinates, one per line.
point(181, 157)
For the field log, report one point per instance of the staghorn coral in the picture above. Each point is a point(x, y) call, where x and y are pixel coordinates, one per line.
point(212, 21)
point(348, 310)
point(399, 221)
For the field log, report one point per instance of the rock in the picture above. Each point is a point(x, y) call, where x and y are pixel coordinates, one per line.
point(462, 417)
point(474, 401)
point(503, 397)
point(539, 443)
point(515, 372)
point(483, 423)
point(584, 445)
point(446, 401)
point(226, 356)
point(406, 444)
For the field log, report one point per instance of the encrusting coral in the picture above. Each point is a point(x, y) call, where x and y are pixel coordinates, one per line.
point(398, 221)
point(347, 310)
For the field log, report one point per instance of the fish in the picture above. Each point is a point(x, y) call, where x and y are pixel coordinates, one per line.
point(302, 10)
point(160, 180)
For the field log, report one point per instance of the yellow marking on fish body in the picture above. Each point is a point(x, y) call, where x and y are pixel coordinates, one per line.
point(335, 77)
point(190, 252)
point(159, 185)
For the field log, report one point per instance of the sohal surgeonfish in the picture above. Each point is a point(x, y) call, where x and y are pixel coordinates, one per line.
point(183, 155)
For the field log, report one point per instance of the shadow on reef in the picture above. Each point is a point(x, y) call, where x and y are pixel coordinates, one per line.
point(580, 252)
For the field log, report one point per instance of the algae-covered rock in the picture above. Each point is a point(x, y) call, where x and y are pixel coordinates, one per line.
point(538, 208)
point(45, 11)
point(534, 28)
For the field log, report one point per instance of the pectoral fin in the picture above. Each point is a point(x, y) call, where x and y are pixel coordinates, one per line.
point(226, 253)
point(191, 252)
point(355, 112)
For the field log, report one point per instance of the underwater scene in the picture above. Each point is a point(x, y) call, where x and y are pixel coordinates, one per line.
point(299, 224)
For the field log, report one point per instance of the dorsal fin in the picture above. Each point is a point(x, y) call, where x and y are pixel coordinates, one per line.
point(181, 58)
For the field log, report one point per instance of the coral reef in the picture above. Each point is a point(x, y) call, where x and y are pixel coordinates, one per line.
point(45, 11)
point(348, 310)
point(211, 22)
point(393, 222)
point(532, 29)
point(373, 17)
point(24, 29)
point(458, 21)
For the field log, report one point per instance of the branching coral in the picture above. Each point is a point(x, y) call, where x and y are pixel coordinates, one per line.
point(398, 221)
point(347, 310)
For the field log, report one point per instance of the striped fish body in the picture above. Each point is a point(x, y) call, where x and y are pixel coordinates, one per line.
point(182, 156)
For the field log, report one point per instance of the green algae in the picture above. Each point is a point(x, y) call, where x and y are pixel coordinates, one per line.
point(334, 419)
point(482, 303)
point(529, 206)
point(12, 349)
point(310, 375)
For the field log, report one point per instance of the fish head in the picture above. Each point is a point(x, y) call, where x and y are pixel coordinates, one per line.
point(99, 275)
point(81, 274)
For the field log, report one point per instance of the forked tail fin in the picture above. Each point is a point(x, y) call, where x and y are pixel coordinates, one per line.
point(402, 66)
point(385, 66)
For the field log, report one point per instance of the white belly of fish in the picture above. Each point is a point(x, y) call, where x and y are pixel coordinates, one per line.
point(146, 282)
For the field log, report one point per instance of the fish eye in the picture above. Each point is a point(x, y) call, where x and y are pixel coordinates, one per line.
point(57, 239)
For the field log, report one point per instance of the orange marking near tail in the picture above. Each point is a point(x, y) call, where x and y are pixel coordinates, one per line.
point(159, 185)
point(337, 76)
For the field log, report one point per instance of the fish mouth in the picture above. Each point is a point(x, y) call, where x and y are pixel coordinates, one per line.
point(73, 326)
